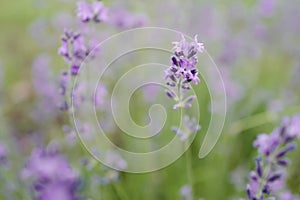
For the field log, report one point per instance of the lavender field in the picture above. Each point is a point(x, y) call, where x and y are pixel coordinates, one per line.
point(152, 100)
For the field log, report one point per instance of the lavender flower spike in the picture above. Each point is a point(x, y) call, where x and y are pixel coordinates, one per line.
point(74, 50)
point(52, 176)
point(183, 69)
point(271, 164)
point(184, 61)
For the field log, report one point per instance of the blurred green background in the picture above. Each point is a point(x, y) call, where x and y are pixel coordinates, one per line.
point(267, 78)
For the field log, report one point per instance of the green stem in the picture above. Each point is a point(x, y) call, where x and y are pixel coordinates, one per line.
point(260, 119)
point(251, 122)
point(120, 191)
point(179, 90)
point(189, 167)
point(264, 180)
point(188, 156)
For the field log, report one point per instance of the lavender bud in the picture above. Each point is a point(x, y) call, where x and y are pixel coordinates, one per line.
point(286, 150)
point(266, 189)
point(173, 69)
point(64, 106)
point(283, 162)
point(249, 192)
point(187, 105)
point(170, 94)
point(274, 178)
point(259, 167)
point(173, 78)
point(282, 131)
point(176, 106)
point(253, 176)
point(74, 70)
point(174, 61)
point(190, 99)
point(3, 154)
point(185, 87)
point(172, 84)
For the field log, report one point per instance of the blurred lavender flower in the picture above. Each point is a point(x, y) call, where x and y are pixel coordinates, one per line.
point(52, 176)
point(100, 95)
point(189, 127)
point(266, 7)
point(63, 87)
point(186, 192)
point(150, 92)
point(96, 12)
point(123, 19)
point(55, 191)
point(109, 175)
point(235, 91)
point(39, 32)
point(42, 76)
point(238, 178)
point(269, 175)
point(71, 137)
point(3, 154)
point(1, 76)
point(78, 94)
point(114, 159)
point(46, 88)
point(186, 103)
point(64, 81)
point(84, 11)
point(74, 50)
point(48, 165)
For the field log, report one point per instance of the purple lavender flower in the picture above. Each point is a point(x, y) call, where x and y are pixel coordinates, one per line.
point(96, 12)
point(74, 50)
point(293, 126)
point(100, 12)
point(189, 127)
point(3, 154)
point(52, 176)
point(269, 175)
point(287, 195)
point(64, 81)
point(100, 95)
point(150, 93)
point(50, 166)
point(184, 63)
point(186, 192)
point(114, 160)
point(46, 89)
point(84, 11)
point(183, 70)
point(266, 143)
point(267, 7)
point(55, 191)
point(78, 94)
